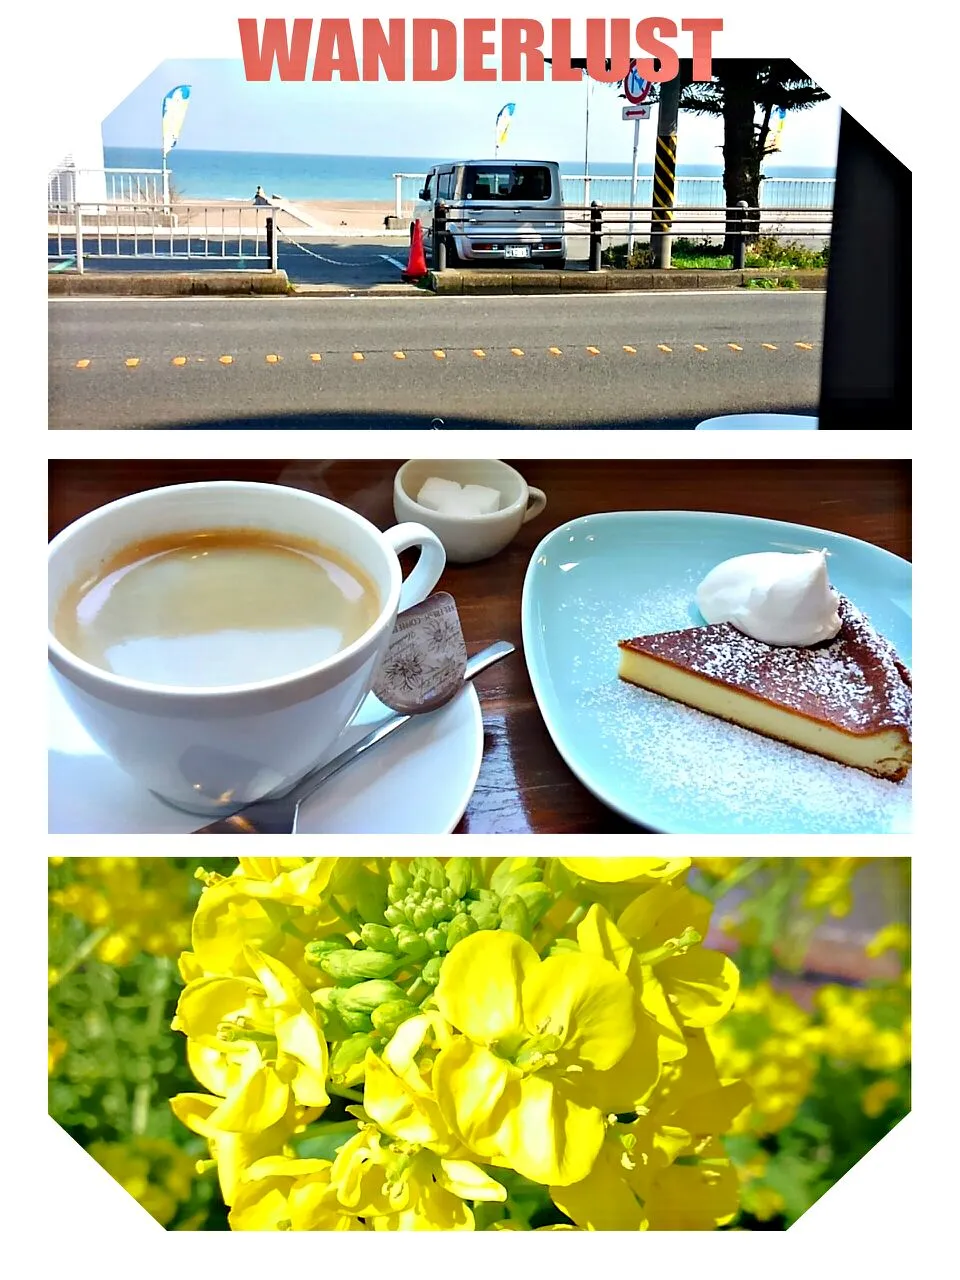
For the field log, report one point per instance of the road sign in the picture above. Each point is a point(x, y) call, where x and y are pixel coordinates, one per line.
point(637, 113)
point(635, 88)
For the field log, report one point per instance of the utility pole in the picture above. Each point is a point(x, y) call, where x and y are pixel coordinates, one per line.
point(665, 172)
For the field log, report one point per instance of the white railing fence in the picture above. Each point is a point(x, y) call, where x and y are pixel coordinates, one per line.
point(104, 230)
point(775, 193)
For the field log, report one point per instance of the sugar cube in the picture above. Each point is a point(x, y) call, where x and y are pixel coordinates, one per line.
point(481, 499)
point(447, 498)
point(436, 494)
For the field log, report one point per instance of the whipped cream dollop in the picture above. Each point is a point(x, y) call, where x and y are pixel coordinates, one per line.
point(778, 597)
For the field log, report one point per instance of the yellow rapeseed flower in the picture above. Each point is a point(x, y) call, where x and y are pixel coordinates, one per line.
point(666, 1171)
point(279, 1193)
point(520, 1080)
point(257, 1043)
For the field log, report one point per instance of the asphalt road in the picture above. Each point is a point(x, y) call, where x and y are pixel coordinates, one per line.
point(642, 360)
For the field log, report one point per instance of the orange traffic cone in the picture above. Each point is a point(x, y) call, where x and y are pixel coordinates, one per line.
point(417, 262)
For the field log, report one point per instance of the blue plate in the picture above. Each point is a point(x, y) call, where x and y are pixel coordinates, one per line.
point(667, 767)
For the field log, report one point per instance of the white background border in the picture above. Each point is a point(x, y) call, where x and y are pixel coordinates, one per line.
point(890, 69)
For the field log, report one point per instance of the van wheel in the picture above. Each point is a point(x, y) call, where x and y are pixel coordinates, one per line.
point(453, 258)
point(559, 264)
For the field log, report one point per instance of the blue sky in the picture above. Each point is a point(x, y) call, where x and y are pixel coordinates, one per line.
point(406, 119)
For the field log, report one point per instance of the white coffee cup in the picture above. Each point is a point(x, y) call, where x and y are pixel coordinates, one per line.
point(213, 750)
point(468, 538)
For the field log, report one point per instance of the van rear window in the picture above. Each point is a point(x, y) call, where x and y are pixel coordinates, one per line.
point(506, 182)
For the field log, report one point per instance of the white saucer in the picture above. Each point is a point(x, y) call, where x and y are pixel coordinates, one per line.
point(417, 782)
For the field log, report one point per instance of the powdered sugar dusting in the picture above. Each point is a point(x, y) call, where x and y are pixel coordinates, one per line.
point(708, 774)
point(855, 680)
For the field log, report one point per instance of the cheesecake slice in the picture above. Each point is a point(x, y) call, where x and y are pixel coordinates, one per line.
point(849, 699)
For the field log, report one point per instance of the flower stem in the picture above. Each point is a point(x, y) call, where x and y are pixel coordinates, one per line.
point(86, 947)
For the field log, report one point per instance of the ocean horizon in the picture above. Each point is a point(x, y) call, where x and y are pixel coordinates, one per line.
point(235, 175)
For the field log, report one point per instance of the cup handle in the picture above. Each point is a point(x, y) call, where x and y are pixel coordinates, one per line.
point(426, 572)
point(536, 501)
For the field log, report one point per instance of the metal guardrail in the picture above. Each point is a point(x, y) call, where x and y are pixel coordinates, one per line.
point(602, 222)
point(248, 234)
point(196, 231)
point(775, 193)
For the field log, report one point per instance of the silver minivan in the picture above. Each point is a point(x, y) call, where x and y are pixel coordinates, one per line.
point(500, 211)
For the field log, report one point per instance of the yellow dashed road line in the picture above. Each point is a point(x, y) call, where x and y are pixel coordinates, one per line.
point(440, 353)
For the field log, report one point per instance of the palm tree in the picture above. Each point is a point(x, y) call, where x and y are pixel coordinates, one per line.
point(746, 92)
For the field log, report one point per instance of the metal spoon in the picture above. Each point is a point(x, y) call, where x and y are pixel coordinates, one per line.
point(278, 815)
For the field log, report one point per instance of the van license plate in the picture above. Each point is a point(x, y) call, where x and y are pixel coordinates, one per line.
point(516, 251)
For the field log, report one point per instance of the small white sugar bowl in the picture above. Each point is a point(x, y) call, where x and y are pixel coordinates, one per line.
point(467, 537)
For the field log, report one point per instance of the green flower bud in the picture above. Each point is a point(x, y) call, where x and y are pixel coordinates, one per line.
point(334, 942)
point(513, 872)
point(422, 917)
point(431, 971)
point(459, 873)
point(339, 1024)
point(461, 926)
point(515, 917)
point(351, 1051)
point(486, 914)
point(355, 966)
point(537, 898)
point(387, 1017)
point(400, 876)
point(430, 870)
point(395, 893)
point(394, 915)
point(365, 996)
point(379, 938)
point(433, 939)
point(411, 943)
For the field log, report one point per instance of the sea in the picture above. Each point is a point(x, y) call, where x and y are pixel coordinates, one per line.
point(235, 175)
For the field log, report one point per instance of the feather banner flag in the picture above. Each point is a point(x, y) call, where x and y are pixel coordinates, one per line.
point(503, 122)
point(172, 115)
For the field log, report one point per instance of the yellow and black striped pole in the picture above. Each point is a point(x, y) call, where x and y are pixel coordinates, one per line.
point(665, 172)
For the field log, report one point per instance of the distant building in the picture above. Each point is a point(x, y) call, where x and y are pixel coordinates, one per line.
point(78, 173)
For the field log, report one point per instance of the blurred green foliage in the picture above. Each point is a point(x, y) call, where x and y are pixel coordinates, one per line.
point(114, 1060)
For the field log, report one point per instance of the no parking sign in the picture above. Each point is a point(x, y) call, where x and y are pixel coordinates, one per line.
point(635, 88)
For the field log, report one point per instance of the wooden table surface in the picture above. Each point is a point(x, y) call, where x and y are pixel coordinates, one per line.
point(524, 785)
